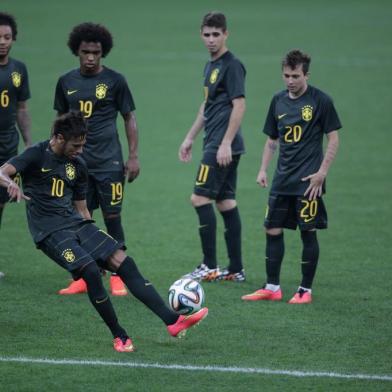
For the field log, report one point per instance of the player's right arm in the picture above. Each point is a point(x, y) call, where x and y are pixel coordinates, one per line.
point(185, 151)
point(14, 191)
point(270, 147)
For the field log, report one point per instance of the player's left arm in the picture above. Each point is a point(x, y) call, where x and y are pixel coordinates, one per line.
point(81, 207)
point(14, 191)
point(316, 180)
point(23, 120)
point(224, 154)
point(132, 166)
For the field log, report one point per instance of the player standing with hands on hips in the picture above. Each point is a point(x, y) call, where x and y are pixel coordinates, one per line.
point(220, 115)
point(14, 93)
point(101, 93)
point(297, 120)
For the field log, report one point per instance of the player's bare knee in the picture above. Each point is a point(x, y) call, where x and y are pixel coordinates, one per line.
point(198, 201)
point(116, 259)
point(274, 231)
point(226, 205)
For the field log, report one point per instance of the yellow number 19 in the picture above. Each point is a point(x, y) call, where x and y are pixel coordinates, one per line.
point(86, 107)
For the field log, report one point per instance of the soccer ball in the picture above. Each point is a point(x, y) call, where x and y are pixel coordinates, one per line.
point(186, 296)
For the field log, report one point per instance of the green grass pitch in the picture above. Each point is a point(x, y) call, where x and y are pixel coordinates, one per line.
point(347, 330)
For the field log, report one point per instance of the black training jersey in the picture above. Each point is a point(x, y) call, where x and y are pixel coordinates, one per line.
point(300, 125)
point(52, 183)
point(14, 88)
point(100, 97)
point(224, 80)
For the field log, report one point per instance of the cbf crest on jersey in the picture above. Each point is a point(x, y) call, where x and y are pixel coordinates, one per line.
point(100, 90)
point(16, 79)
point(307, 112)
point(68, 255)
point(214, 75)
point(70, 171)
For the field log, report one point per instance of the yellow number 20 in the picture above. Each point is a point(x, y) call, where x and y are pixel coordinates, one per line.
point(293, 134)
point(309, 210)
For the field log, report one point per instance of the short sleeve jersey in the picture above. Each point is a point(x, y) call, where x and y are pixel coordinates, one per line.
point(14, 88)
point(299, 124)
point(52, 183)
point(100, 97)
point(224, 80)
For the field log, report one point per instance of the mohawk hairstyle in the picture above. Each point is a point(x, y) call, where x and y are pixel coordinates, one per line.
point(70, 125)
point(296, 57)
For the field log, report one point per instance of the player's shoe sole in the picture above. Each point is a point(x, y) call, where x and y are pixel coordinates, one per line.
point(180, 327)
point(123, 347)
point(76, 287)
point(263, 295)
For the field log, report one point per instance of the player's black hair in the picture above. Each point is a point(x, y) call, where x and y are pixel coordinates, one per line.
point(9, 20)
point(296, 57)
point(70, 125)
point(214, 19)
point(90, 32)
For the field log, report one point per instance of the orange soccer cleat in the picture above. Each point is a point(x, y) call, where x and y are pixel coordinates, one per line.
point(179, 328)
point(76, 287)
point(123, 345)
point(263, 295)
point(301, 297)
point(117, 286)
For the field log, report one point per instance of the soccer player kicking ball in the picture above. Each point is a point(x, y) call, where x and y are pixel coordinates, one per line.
point(297, 120)
point(55, 186)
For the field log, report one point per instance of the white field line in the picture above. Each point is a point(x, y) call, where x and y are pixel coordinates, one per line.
point(191, 368)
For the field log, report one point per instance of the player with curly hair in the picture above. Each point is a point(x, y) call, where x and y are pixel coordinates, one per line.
point(101, 93)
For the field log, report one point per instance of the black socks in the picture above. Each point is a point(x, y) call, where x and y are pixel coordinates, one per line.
point(207, 232)
point(274, 253)
point(232, 222)
point(310, 256)
point(144, 291)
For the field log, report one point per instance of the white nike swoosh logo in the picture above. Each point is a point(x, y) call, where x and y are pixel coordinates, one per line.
point(70, 92)
point(45, 170)
point(280, 116)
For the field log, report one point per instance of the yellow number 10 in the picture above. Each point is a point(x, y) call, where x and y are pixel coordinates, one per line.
point(57, 187)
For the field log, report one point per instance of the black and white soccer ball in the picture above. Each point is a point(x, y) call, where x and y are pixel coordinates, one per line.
point(186, 296)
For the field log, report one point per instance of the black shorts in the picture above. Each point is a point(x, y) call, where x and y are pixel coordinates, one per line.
point(78, 246)
point(106, 190)
point(286, 211)
point(214, 181)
